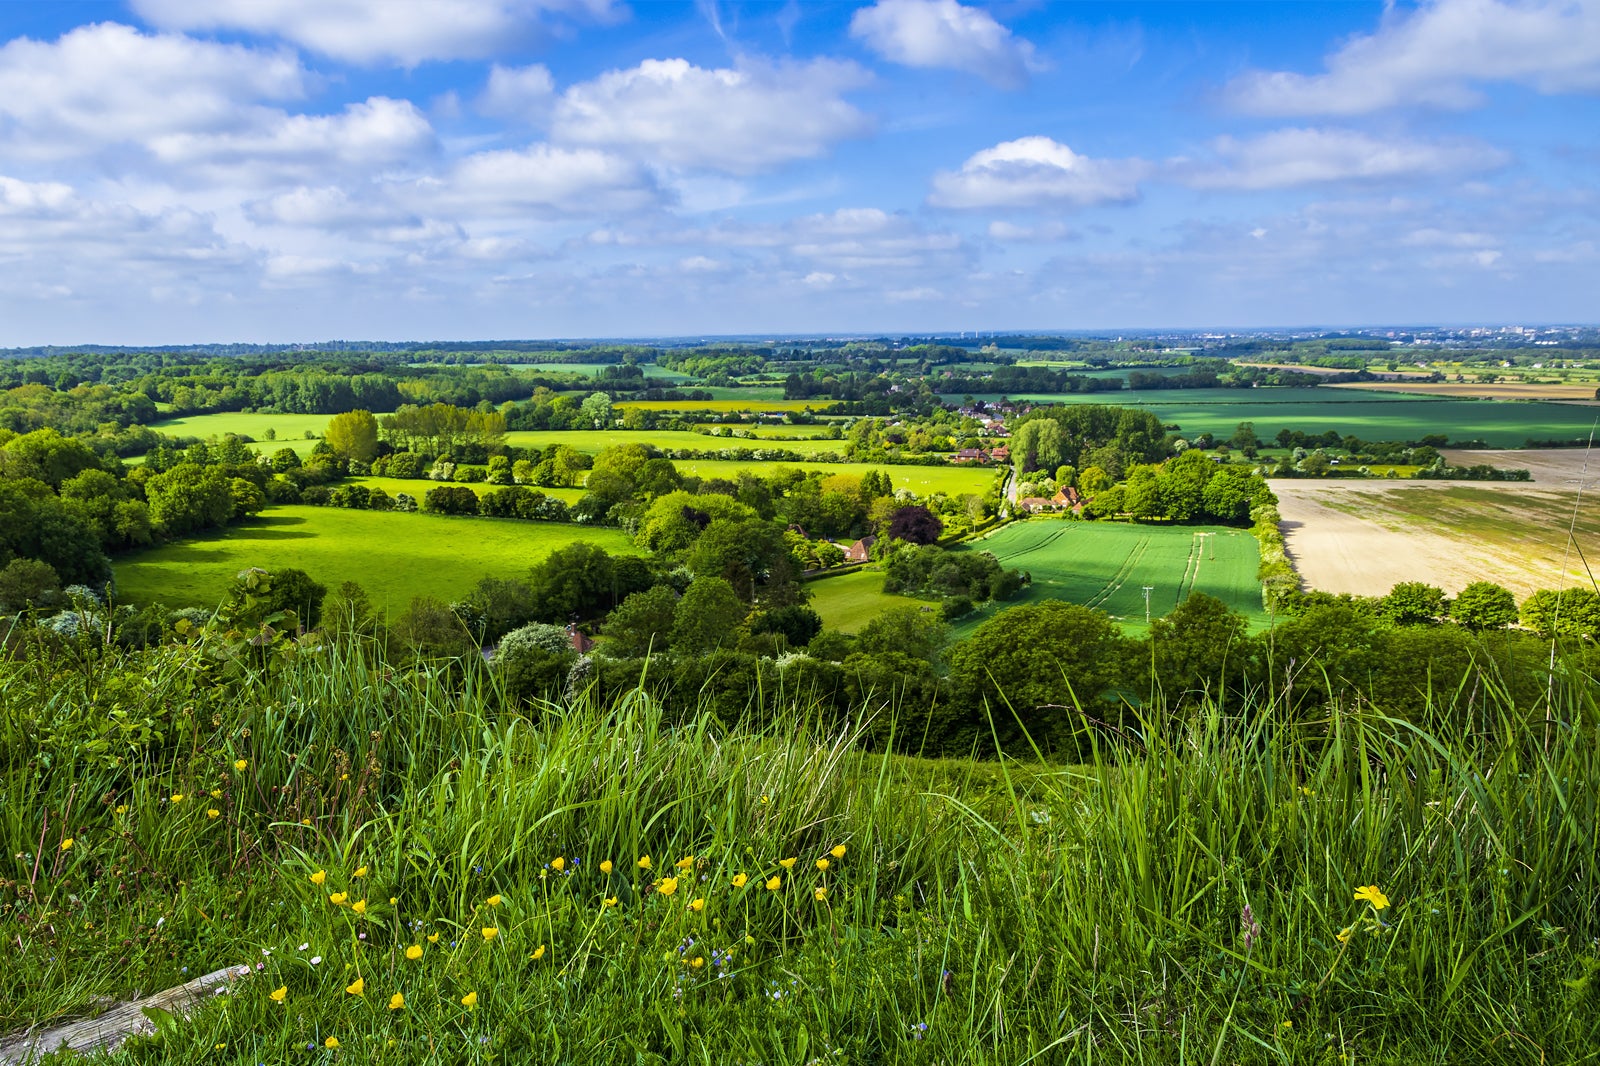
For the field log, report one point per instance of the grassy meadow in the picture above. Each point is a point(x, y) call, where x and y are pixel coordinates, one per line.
point(394, 556)
point(418, 487)
point(847, 602)
point(732, 400)
point(591, 441)
point(411, 868)
point(291, 430)
point(949, 479)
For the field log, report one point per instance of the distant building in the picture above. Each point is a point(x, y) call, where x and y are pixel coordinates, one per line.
point(580, 642)
point(860, 551)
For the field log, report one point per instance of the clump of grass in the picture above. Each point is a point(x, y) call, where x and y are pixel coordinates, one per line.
point(1208, 894)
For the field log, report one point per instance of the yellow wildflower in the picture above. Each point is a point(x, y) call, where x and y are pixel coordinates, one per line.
point(697, 905)
point(644, 863)
point(213, 813)
point(338, 898)
point(1345, 934)
point(356, 987)
point(739, 880)
point(838, 851)
point(685, 862)
point(490, 932)
point(606, 867)
point(361, 871)
point(494, 901)
point(66, 845)
point(305, 821)
point(216, 793)
point(359, 906)
point(279, 994)
point(558, 864)
point(332, 1043)
point(765, 800)
point(393, 900)
point(787, 864)
point(319, 877)
point(538, 953)
point(610, 901)
point(414, 952)
point(1287, 1025)
point(821, 893)
point(177, 797)
point(122, 808)
point(470, 999)
point(823, 864)
point(397, 1001)
point(241, 765)
point(774, 883)
point(698, 961)
point(1372, 895)
point(433, 938)
point(668, 886)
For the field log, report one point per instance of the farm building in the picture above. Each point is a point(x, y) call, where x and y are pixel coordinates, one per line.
point(860, 551)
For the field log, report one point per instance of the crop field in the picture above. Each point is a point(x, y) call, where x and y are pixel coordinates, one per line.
point(394, 556)
point(1367, 414)
point(951, 480)
point(816, 431)
point(418, 486)
point(290, 430)
point(742, 402)
point(1107, 565)
point(651, 371)
point(1498, 390)
point(592, 440)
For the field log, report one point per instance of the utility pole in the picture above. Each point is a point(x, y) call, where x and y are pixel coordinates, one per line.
point(1147, 590)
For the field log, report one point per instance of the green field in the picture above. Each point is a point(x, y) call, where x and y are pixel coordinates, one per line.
point(951, 480)
point(417, 487)
point(1369, 415)
point(849, 601)
point(290, 429)
point(810, 432)
point(740, 401)
point(1107, 565)
point(592, 440)
point(394, 556)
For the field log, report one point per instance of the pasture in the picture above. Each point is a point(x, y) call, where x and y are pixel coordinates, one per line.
point(922, 480)
point(737, 400)
point(849, 601)
point(394, 556)
point(418, 487)
point(1106, 565)
point(592, 440)
point(290, 430)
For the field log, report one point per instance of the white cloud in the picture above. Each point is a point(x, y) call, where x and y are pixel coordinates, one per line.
point(1292, 157)
point(943, 34)
point(1435, 54)
point(375, 133)
point(521, 93)
point(1036, 172)
point(108, 84)
point(376, 31)
point(1001, 230)
point(741, 120)
point(539, 180)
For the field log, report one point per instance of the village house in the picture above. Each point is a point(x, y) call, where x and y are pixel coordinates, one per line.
point(860, 551)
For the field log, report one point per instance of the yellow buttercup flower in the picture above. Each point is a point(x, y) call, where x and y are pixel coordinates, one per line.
point(1372, 895)
point(305, 821)
point(177, 797)
point(823, 864)
point(494, 901)
point(697, 905)
point(739, 880)
point(361, 871)
point(319, 877)
point(241, 765)
point(606, 867)
point(1345, 934)
point(433, 938)
point(490, 932)
point(393, 900)
point(356, 987)
point(685, 862)
point(338, 898)
point(279, 994)
point(787, 864)
point(331, 1043)
point(122, 808)
point(470, 999)
point(821, 893)
point(609, 901)
point(66, 845)
point(538, 953)
point(213, 813)
point(668, 886)
point(414, 952)
point(697, 962)
point(397, 1001)
point(558, 864)
point(644, 862)
point(837, 851)
point(216, 793)
point(359, 906)
point(774, 883)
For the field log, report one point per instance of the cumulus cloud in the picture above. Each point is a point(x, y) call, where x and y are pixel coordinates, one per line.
point(1435, 55)
point(376, 132)
point(524, 94)
point(943, 34)
point(541, 180)
point(108, 84)
point(376, 31)
point(740, 120)
point(1292, 157)
point(1036, 172)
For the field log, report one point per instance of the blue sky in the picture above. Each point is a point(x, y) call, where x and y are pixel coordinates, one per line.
point(178, 171)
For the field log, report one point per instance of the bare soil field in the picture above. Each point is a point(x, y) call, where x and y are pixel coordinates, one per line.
point(1500, 390)
point(1552, 468)
point(1364, 537)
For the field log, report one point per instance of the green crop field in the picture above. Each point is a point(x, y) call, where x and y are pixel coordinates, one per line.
point(811, 432)
point(1107, 565)
point(1370, 415)
point(849, 601)
point(290, 429)
point(742, 402)
point(418, 487)
point(951, 480)
point(592, 440)
point(394, 556)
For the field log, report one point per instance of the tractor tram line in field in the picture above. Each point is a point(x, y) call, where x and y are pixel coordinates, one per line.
point(1120, 578)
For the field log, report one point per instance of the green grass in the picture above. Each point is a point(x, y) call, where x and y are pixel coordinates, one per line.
point(1369, 415)
point(291, 429)
point(952, 480)
point(418, 488)
point(1107, 565)
point(976, 913)
point(847, 602)
point(394, 556)
point(592, 440)
point(733, 400)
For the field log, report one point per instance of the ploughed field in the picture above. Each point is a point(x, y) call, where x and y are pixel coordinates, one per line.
point(394, 556)
point(1097, 564)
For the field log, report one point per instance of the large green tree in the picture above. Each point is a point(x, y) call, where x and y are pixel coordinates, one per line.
point(707, 617)
point(1484, 605)
point(353, 436)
